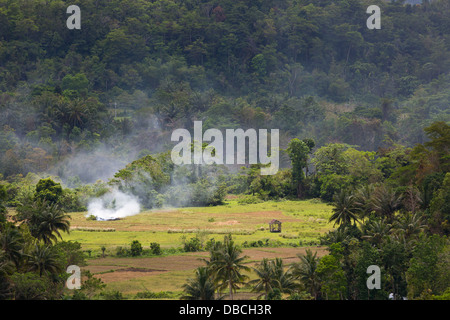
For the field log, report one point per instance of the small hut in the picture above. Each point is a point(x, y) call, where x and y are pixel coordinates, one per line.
point(275, 226)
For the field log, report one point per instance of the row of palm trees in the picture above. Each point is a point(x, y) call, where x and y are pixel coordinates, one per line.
point(225, 271)
point(379, 200)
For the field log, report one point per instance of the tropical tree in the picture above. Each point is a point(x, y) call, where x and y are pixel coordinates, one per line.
point(306, 272)
point(44, 260)
point(201, 287)
point(385, 202)
point(298, 151)
point(375, 230)
point(227, 266)
point(283, 276)
point(11, 243)
point(410, 225)
point(50, 222)
point(345, 209)
point(265, 281)
point(363, 200)
point(6, 268)
point(45, 220)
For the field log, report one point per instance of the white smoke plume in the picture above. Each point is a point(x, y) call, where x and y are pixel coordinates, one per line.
point(114, 205)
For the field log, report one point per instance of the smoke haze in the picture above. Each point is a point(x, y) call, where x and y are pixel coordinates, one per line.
point(114, 205)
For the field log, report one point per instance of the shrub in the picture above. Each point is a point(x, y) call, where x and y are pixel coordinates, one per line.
point(136, 248)
point(249, 199)
point(155, 248)
point(111, 295)
point(122, 252)
point(193, 245)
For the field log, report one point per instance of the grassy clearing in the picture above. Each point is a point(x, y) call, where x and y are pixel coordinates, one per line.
point(303, 223)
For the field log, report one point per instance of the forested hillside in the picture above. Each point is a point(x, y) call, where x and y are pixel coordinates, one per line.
point(363, 117)
point(107, 94)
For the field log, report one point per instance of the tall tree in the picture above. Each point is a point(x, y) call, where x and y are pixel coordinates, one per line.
point(345, 209)
point(201, 287)
point(298, 152)
point(227, 266)
point(306, 272)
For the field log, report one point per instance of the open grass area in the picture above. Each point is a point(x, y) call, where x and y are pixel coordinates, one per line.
point(303, 223)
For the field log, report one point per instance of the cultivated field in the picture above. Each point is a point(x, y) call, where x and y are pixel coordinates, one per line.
point(302, 224)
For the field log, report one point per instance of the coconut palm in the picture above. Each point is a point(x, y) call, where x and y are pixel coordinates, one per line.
point(375, 230)
point(306, 272)
point(265, 281)
point(335, 236)
point(201, 287)
point(363, 200)
point(410, 225)
point(385, 202)
point(227, 266)
point(283, 277)
point(11, 243)
point(345, 209)
point(44, 260)
point(48, 222)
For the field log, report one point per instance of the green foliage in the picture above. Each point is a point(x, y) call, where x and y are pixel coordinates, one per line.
point(135, 248)
point(156, 295)
point(155, 248)
point(30, 286)
point(192, 245)
point(424, 272)
point(71, 253)
point(298, 152)
point(48, 190)
point(111, 295)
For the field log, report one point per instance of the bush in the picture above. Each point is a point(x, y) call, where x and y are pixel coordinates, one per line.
point(193, 245)
point(136, 248)
point(122, 252)
point(155, 248)
point(111, 295)
point(249, 199)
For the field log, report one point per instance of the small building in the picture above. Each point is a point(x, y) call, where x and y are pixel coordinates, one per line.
point(275, 226)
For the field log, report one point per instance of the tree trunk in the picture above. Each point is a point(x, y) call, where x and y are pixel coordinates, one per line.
point(231, 289)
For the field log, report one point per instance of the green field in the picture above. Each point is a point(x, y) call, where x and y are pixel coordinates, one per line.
point(302, 223)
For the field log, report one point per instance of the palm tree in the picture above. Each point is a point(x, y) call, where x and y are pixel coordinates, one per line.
point(266, 281)
point(48, 221)
point(335, 236)
point(11, 242)
point(376, 230)
point(345, 209)
point(306, 272)
point(201, 287)
point(227, 266)
point(43, 260)
point(363, 200)
point(385, 202)
point(283, 277)
point(6, 268)
point(410, 225)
